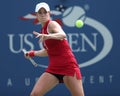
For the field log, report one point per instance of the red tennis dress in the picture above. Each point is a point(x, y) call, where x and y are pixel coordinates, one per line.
point(62, 60)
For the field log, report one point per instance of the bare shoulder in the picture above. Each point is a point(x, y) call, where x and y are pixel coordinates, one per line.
point(53, 25)
point(53, 22)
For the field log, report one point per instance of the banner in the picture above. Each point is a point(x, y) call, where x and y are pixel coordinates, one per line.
point(95, 45)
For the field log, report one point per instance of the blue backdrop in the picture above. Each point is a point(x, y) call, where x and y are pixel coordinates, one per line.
point(96, 45)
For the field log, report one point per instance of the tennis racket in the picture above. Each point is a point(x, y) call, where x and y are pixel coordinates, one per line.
point(32, 61)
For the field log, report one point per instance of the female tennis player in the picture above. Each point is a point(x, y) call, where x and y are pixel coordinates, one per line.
point(63, 67)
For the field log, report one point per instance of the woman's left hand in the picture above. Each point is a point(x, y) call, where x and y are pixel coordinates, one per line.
point(41, 36)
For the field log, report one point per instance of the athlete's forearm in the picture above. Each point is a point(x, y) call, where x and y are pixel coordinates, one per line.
point(33, 53)
point(58, 36)
point(41, 53)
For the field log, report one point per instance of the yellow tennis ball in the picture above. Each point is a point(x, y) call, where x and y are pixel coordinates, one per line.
point(79, 24)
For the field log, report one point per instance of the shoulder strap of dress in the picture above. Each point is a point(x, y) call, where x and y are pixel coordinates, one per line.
point(46, 24)
point(44, 27)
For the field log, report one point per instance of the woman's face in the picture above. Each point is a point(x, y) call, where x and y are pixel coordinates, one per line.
point(43, 15)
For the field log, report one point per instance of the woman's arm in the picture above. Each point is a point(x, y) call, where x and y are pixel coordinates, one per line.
point(55, 32)
point(41, 53)
point(33, 53)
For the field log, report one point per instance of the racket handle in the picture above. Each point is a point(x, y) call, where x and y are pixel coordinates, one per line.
point(31, 60)
point(30, 54)
point(24, 51)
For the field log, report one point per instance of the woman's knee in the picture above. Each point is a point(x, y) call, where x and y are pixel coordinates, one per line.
point(35, 93)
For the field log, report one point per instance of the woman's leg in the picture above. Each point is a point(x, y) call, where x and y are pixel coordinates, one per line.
point(74, 85)
point(46, 82)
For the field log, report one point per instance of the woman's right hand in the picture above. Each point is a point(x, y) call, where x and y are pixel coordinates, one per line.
point(29, 54)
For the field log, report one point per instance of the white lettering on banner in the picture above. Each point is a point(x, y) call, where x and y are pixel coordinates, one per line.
point(92, 80)
point(23, 39)
point(27, 42)
point(84, 40)
point(27, 81)
point(100, 79)
point(9, 82)
point(110, 78)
